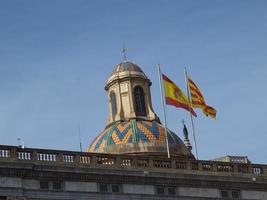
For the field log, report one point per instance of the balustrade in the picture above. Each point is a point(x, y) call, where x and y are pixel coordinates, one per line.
point(46, 157)
point(180, 165)
point(224, 168)
point(243, 169)
point(126, 162)
point(14, 153)
point(194, 165)
point(141, 163)
point(85, 159)
point(4, 153)
point(257, 170)
point(24, 155)
point(68, 158)
point(207, 167)
point(161, 164)
point(105, 161)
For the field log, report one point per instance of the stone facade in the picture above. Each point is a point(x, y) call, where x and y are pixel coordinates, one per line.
point(49, 174)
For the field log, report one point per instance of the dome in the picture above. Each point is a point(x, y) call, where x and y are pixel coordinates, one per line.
point(126, 66)
point(126, 70)
point(138, 137)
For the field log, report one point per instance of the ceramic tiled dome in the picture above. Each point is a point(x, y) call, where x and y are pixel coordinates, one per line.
point(135, 137)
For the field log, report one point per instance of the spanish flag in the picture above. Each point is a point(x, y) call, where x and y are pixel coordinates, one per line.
point(174, 96)
point(198, 100)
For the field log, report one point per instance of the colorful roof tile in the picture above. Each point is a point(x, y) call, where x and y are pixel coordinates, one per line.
point(132, 132)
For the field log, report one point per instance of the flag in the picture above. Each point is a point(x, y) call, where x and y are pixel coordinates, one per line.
point(198, 100)
point(174, 96)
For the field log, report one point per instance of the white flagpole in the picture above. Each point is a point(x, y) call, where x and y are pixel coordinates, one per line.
point(191, 117)
point(163, 110)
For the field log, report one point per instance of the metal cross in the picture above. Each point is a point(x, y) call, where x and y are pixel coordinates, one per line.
point(124, 49)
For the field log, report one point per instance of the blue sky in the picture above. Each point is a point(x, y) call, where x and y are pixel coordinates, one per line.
point(55, 58)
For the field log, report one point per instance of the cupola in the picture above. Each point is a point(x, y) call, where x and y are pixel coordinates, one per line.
point(129, 96)
point(132, 126)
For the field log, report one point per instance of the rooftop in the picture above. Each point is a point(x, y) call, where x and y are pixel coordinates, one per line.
point(83, 160)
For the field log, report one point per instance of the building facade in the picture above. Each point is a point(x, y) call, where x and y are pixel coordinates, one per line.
point(128, 159)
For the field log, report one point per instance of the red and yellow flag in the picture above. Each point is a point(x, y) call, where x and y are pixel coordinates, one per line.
point(198, 100)
point(174, 96)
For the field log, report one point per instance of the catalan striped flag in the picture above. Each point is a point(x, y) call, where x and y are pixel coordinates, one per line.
point(198, 100)
point(174, 96)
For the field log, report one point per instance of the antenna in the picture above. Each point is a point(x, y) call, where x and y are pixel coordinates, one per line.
point(79, 130)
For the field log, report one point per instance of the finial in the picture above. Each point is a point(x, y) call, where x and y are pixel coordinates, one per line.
point(124, 49)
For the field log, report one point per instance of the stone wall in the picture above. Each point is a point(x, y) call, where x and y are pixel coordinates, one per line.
point(23, 189)
point(74, 175)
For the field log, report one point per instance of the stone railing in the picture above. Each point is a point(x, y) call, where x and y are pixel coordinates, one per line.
point(145, 163)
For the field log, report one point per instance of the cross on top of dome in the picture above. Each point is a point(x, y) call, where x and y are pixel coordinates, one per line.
point(124, 49)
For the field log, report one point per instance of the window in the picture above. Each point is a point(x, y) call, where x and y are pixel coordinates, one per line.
point(224, 194)
point(230, 194)
point(160, 190)
point(235, 194)
point(139, 99)
point(57, 185)
point(171, 191)
point(44, 185)
point(103, 187)
point(115, 188)
point(113, 103)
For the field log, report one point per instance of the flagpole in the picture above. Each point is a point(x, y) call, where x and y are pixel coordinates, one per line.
point(191, 116)
point(163, 110)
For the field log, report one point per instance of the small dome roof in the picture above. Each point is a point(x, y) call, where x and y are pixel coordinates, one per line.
point(126, 69)
point(138, 137)
point(126, 66)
